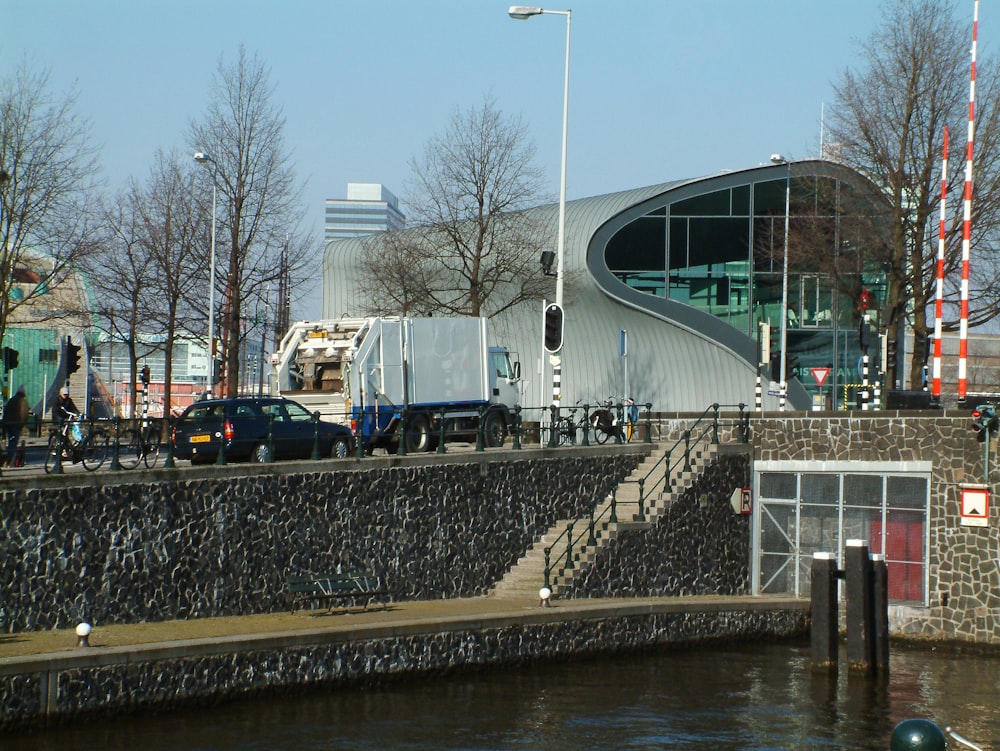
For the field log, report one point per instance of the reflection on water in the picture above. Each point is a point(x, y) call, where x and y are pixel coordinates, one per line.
point(722, 698)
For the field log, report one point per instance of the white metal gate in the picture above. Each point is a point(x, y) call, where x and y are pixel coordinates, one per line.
point(808, 507)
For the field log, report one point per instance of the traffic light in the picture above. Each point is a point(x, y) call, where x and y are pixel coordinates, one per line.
point(864, 335)
point(216, 370)
point(553, 328)
point(72, 356)
point(10, 358)
point(890, 356)
point(144, 375)
point(984, 421)
point(791, 363)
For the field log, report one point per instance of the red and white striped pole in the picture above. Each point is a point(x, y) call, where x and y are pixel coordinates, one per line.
point(963, 325)
point(939, 303)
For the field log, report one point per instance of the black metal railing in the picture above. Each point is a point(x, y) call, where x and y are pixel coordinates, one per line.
point(676, 458)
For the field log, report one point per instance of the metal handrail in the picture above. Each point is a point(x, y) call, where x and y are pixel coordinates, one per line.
point(691, 438)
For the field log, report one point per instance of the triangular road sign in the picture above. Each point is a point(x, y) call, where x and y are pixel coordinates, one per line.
point(820, 375)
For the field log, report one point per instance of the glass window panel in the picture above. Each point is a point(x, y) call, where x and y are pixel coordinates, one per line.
point(858, 523)
point(819, 529)
point(715, 241)
point(638, 246)
point(650, 282)
point(769, 197)
point(823, 489)
point(741, 200)
point(863, 490)
point(678, 243)
point(906, 492)
point(778, 485)
point(709, 204)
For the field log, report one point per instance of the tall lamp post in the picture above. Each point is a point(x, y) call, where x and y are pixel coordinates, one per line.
point(521, 13)
point(204, 159)
point(783, 345)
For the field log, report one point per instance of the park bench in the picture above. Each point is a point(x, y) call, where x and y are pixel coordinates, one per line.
point(347, 587)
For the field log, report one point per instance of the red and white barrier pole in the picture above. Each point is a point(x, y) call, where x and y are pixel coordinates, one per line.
point(939, 303)
point(963, 325)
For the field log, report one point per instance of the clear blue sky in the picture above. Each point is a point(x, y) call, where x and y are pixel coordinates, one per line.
point(659, 89)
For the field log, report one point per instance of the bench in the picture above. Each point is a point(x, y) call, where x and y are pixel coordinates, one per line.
point(347, 587)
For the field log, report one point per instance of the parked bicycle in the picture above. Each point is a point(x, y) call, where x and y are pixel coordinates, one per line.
point(139, 444)
point(77, 441)
point(566, 429)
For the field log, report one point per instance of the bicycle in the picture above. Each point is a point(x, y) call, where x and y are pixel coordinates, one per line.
point(140, 444)
point(72, 442)
point(604, 422)
point(566, 429)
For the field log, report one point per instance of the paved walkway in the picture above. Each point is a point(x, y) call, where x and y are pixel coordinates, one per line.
point(236, 632)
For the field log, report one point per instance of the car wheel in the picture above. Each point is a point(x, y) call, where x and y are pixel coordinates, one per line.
point(261, 454)
point(341, 448)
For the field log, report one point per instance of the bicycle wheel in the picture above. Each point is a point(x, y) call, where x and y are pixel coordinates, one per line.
point(95, 449)
point(601, 428)
point(567, 432)
point(55, 446)
point(151, 446)
point(129, 448)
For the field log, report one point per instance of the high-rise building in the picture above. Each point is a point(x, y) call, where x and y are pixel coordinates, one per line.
point(368, 208)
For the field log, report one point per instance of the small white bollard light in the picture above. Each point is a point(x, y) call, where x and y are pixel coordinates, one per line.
point(83, 635)
point(544, 595)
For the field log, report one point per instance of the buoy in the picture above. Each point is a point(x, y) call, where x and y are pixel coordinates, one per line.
point(917, 735)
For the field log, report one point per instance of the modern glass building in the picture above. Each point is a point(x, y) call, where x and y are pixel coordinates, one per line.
point(688, 271)
point(368, 208)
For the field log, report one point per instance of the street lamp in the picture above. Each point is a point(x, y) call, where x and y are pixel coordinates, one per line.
point(522, 13)
point(204, 159)
point(783, 345)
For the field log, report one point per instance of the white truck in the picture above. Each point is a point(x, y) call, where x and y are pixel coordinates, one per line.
point(393, 376)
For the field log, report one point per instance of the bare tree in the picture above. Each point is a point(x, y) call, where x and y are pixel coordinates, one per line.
point(173, 222)
point(473, 251)
point(243, 132)
point(888, 122)
point(123, 273)
point(47, 193)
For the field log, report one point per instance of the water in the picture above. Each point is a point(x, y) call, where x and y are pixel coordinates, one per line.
point(721, 698)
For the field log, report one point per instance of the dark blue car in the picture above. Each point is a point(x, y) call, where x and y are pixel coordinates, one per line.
point(244, 423)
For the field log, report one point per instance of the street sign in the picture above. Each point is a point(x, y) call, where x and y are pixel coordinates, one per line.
point(741, 501)
point(975, 505)
point(820, 374)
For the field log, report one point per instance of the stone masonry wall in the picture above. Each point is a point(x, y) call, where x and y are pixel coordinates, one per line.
point(220, 541)
point(964, 577)
point(697, 546)
point(89, 688)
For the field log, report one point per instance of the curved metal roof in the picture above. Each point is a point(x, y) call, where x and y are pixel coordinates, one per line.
point(679, 358)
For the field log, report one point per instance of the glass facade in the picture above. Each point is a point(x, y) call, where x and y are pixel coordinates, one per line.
point(722, 251)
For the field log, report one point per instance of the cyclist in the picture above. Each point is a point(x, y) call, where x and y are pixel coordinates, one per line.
point(65, 412)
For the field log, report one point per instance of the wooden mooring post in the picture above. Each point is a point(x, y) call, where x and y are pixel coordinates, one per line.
point(866, 612)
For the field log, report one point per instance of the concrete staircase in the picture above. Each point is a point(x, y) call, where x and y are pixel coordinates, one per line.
point(527, 576)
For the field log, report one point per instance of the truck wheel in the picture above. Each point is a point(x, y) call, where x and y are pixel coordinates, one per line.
point(495, 429)
point(418, 435)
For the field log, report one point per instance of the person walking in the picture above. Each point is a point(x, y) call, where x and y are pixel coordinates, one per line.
point(15, 417)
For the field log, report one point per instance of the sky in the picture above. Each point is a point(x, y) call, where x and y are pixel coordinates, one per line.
point(659, 90)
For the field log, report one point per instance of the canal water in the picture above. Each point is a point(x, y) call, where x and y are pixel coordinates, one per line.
point(721, 698)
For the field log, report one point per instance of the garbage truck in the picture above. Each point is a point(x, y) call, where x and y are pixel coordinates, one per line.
point(401, 378)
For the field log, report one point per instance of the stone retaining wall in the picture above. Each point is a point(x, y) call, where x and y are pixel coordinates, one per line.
point(55, 693)
point(697, 546)
point(175, 544)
